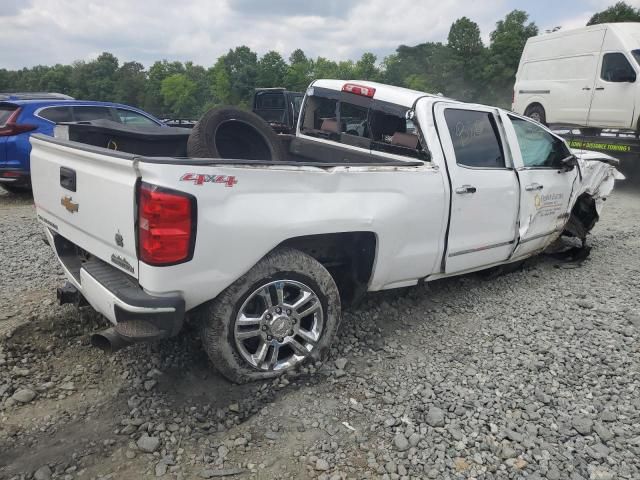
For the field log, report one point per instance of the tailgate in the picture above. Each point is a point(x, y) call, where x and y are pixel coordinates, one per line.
point(88, 197)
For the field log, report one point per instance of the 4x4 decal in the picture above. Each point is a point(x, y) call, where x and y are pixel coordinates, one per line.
point(201, 178)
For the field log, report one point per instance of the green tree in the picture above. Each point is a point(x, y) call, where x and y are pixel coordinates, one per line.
point(325, 68)
point(95, 80)
point(221, 85)
point(620, 12)
point(507, 43)
point(467, 60)
point(179, 95)
point(365, 68)
point(130, 83)
point(57, 79)
point(153, 98)
point(299, 73)
point(464, 38)
point(272, 70)
point(235, 75)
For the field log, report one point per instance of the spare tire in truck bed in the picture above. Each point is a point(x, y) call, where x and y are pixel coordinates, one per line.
point(229, 132)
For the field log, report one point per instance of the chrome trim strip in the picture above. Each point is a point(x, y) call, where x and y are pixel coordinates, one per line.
point(534, 91)
point(480, 249)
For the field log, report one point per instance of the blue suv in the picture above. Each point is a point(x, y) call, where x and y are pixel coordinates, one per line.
point(22, 114)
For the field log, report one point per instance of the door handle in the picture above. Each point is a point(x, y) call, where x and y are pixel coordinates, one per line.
point(533, 186)
point(466, 189)
point(599, 88)
point(68, 179)
point(586, 88)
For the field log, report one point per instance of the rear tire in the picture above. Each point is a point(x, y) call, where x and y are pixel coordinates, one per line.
point(229, 132)
point(536, 112)
point(249, 338)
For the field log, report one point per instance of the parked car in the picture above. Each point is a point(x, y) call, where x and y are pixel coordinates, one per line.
point(24, 114)
point(264, 254)
point(587, 77)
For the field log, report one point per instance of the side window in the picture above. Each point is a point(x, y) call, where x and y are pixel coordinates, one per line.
point(56, 114)
point(616, 68)
point(89, 113)
point(129, 117)
point(362, 122)
point(353, 120)
point(321, 117)
point(391, 132)
point(538, 147)
point(475, 138)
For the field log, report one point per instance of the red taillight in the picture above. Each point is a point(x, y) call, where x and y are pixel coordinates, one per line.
point(11, 174)
point(166, 225)
point(13, 128)
point(359, 90)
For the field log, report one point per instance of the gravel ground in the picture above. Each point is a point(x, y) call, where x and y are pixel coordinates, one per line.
point(532, 375)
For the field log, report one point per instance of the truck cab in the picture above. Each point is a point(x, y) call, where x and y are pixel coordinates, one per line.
point(278, 107)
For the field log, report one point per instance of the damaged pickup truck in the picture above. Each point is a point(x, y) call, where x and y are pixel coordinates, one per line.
point(266, 252)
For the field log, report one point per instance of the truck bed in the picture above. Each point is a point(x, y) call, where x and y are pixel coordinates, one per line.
point(301, 152)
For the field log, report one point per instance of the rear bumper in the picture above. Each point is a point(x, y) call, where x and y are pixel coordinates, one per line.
point(14, 176)
point(118, 296)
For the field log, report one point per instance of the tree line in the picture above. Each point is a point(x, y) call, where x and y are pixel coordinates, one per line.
point(462, 68)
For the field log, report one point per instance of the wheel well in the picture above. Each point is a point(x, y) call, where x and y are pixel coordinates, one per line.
point(348, 256)
point(584, 216)
point(534, 104)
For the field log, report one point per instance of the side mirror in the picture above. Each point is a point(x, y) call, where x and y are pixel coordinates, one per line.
point(569, 163)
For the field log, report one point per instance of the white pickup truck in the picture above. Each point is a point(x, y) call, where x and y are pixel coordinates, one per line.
point(266, 253)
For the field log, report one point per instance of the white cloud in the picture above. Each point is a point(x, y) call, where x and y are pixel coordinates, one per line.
point(60, 31)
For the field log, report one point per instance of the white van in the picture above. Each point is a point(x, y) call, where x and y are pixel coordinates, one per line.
point(588, 77)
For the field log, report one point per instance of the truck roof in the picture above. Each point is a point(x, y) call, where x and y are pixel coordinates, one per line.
point(386, 93)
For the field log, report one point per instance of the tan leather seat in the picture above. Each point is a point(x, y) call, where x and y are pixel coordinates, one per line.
point(329, 125)
point(408, 140)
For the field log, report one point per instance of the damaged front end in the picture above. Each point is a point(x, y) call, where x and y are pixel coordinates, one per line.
point(597, 174)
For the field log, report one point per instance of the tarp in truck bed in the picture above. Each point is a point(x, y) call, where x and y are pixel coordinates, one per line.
point(151, 141)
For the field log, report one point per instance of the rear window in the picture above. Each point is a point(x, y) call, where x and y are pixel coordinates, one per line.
point(56, 114)
point(361, 122)
point(270, 101)
point(87, 114)
point(5, 113)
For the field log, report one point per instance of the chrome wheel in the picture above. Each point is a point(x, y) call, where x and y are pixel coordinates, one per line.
point(278, 325)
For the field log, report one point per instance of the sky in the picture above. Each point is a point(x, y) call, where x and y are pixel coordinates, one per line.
point(46, 32)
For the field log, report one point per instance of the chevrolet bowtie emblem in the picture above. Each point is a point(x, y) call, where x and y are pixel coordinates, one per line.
point(67, 203)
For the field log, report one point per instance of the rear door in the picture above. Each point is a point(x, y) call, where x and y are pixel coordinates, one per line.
point(484, 186)
point(546, 188)
point(88, 198)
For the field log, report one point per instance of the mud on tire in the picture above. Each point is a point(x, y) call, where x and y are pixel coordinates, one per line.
point(218, 318)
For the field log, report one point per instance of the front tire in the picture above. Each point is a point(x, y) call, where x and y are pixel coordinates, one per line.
point(281, 314)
